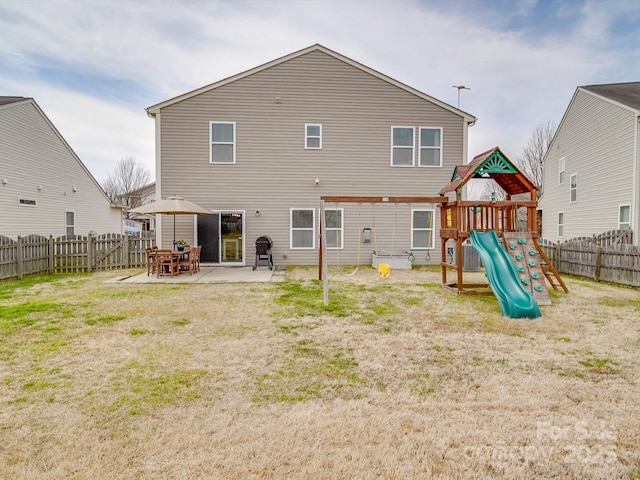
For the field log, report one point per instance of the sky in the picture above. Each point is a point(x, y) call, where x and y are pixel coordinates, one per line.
point(94, 66)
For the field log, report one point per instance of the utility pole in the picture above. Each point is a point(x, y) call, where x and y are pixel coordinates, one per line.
point(460, 87)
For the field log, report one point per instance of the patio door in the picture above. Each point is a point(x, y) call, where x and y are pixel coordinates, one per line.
point(222, 238)
point(232, 238)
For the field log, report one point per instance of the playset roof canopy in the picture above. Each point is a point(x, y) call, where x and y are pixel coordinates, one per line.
point(494, 165)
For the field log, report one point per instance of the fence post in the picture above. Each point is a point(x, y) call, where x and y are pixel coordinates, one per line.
point(596, 275)
point(558, 256)
point(20, 259)
point(91, 258)
point(52, 255)
point(125, 250)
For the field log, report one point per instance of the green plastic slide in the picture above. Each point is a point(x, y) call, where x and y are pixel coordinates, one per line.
point(504, 280)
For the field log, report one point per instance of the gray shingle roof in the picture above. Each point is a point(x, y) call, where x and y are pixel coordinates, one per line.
point(626, 93)
point(6, 100)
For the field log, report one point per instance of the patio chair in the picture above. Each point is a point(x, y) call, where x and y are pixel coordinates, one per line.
point(151, 260)
point(186, 262)
point(167, 263)
point(196, 258)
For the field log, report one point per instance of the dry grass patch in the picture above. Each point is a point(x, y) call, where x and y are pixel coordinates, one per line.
point(395, 379)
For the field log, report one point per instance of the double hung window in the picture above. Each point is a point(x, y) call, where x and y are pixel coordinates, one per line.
point(573, 195)
point(70, 223)
point(561, 170)
point(223, 142)
point(430, 147)
point(422, 230)
point(334, 227)
point(402, 146)
point(302, 233)
point(624, 217)
point(313, 136)
point(561, 224)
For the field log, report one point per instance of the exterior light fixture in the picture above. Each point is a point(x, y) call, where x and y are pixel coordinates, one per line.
point(317, 181)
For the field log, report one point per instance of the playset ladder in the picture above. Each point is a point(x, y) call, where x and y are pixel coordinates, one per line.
point(550, 272)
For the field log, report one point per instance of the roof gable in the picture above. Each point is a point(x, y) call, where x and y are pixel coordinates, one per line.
point(154, 109)
point(17, 101)
point(492, 164)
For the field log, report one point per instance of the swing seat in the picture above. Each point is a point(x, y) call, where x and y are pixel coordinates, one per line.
point(384, 269)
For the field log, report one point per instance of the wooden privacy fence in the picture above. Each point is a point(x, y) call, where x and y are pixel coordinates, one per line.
point(75, 253)
point(608, 257)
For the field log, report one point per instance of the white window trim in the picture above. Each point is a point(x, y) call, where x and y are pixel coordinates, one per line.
point(66, 225)
point(562, 169)
point(413, 146)
point(28, 205)
point(233, 143)
point(307, 136)
point(560, 225)
point(620, 207)
point(312, 229)
point(572, 188)
point(432, 229)
point(332, 235)
point(420, 147)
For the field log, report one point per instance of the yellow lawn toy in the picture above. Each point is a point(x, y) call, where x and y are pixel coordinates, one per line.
point(384, 269)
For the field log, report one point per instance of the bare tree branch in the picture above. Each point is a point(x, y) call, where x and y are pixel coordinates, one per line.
point(530, 162)
point(123, 184)
point(531, 159)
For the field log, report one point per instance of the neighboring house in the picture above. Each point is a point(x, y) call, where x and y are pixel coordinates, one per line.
point(44, 187)
point(592, 167)
point(143, 196)
point(260, 148)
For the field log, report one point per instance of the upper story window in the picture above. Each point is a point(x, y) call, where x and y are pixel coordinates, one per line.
point(624, 217)
point(402, 146)
point(422, 229)
point(70, 223)
point(573, 181)
point(302, 233)
point(430, 147)
point(334, 227)
point(223, 142)
point(561, 169)
point(313, 136)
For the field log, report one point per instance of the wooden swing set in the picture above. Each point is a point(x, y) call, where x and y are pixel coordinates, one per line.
point(322, 252)
point(458, 218)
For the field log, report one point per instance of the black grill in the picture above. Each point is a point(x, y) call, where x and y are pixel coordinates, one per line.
point(264, 257)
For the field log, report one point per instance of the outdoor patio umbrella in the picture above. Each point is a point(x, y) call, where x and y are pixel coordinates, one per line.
point(171, 206)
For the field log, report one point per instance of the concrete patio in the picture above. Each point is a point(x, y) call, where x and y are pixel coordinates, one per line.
point(212, 275)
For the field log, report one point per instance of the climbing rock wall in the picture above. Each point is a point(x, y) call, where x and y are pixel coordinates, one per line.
point(527, 259)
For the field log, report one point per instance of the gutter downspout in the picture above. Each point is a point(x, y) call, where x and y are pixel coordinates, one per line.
point(635, 195)
point(158, 137)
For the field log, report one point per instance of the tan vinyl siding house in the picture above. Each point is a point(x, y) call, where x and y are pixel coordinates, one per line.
point(44, 187)
point(310, 124)
point(592, 167)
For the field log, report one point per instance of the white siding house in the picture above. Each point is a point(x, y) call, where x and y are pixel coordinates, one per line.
point(592, 167)
point(44, 187)
point(260, 148)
